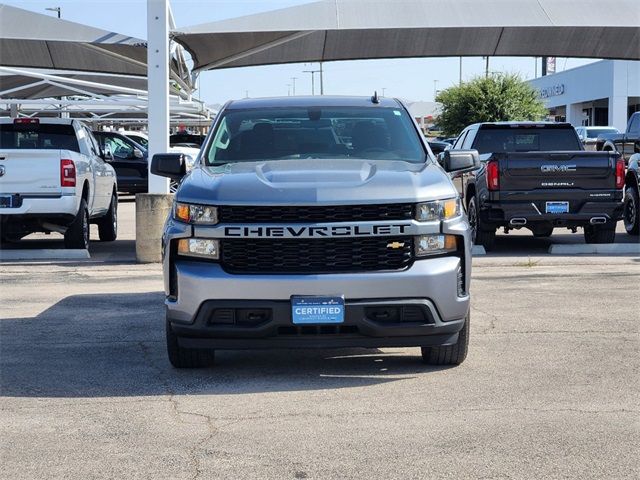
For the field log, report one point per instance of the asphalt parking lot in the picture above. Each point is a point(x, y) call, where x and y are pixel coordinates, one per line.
point(550, 388)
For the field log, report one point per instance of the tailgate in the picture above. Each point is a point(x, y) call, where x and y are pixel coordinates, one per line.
point(529, 171)
point(30, 172)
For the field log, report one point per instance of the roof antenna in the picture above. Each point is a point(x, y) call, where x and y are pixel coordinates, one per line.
point(375, 98)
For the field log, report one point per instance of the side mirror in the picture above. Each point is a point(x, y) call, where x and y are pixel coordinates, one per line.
point(170, 165)
point(107, 154)
point(137, 153)
point(459, 161)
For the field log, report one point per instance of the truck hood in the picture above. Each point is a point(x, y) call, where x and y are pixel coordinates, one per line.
point(313, 181)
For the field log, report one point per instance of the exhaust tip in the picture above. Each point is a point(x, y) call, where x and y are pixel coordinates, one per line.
point(598, 220)
point(518, 221)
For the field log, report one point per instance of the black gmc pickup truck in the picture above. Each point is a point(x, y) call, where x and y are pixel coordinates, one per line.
point(538, 176)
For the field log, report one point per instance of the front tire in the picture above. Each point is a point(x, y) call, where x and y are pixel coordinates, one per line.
point(449, 354)
point(77, 234)
point(631, 216)
point(181, 357)
point(480, 233)
point(108, 225)
point(600, 233)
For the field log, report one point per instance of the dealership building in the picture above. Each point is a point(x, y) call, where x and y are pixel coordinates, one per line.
point(601, 93)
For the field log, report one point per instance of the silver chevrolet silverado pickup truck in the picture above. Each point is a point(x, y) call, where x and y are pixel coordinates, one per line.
point(316, 222)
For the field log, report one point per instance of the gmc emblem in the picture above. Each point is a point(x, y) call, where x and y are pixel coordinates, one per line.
point(557, 168)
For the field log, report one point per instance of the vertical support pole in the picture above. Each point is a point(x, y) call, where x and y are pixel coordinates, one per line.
point(321, 80)
point(158, 85)
point(460, 73)
point(152, 208)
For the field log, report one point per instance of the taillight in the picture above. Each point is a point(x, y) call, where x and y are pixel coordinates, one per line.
point(493, 175)
point(620, 173)
point(67, 173)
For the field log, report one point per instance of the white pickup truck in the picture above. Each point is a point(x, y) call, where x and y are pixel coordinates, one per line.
point(53, 179)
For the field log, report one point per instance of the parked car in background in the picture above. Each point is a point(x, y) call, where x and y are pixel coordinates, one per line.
point(316, 222)
point(438, 147)
point(627, 143)
point(53, 179)
point(631, 212)
point(186, 139)
point(538, 176)
point(589, 135)
point(128, 158)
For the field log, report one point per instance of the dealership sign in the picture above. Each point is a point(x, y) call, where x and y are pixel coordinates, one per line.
point(552, 91)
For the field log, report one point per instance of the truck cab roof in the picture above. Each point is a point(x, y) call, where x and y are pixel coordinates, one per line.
point(311, 101)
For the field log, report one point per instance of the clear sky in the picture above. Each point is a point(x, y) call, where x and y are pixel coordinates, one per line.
point(412, 79)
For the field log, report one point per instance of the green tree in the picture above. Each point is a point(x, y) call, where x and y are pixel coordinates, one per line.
point(494, 98)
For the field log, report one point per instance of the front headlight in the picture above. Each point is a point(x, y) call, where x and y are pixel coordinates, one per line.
point(199, 247)
point(438, 210)
point(195, 214)
point(426, 245)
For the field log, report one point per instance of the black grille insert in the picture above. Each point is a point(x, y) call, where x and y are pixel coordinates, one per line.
point(314, 213)
point(245, 255)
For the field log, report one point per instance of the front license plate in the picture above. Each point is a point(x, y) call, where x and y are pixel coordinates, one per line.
point(5, 202)
point(317, 310)
point(557, 207)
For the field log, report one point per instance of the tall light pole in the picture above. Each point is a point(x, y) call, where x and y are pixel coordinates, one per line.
point(321, 80)
point(313, 79)
point(435, 89)
point(55, 9)
point(293, 79)
point(383, 90)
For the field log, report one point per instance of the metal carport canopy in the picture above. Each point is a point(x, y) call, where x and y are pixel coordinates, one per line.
point(366, 29)
point(33, 40)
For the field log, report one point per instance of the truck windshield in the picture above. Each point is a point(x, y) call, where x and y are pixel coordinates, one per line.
point(38, 136)
point(315, 132)
point(528, 139)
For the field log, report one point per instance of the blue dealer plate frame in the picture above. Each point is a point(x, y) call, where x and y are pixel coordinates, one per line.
point(6, 201)
point(557, 207)
point(306, 310)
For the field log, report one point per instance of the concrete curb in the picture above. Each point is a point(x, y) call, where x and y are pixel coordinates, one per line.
point(43, 254)
point(478, 250)
point(595, 248)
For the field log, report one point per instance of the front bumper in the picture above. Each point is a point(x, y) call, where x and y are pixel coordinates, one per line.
point(276, 330)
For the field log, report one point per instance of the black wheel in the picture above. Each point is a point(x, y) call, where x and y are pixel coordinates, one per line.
point(181, 357)
point(480, 234)
point(77, 234)
point(630, 214)
point(600, 233)
point(108, 225)
point(449, 354)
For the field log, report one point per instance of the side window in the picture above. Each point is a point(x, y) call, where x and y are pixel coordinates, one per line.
point(468, 140)
point(458, 143)
point(92, 142)
point(119, 148)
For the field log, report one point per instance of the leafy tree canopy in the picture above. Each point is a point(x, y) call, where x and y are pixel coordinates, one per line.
point(494, 98)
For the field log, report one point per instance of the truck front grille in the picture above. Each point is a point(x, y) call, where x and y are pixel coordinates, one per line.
point(331, 255)
point(314, 213)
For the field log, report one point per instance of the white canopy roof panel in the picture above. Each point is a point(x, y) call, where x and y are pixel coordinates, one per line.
point(365, 29)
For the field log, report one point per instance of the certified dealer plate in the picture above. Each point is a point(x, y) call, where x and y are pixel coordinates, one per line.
point(317, 310)
point(557, 207)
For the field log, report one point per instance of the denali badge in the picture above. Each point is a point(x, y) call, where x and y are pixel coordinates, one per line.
point(557, 168)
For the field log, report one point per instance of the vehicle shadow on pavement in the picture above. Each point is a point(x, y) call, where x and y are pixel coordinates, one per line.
point(112, 345)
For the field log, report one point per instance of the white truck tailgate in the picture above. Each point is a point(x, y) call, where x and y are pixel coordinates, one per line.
point(31, 172)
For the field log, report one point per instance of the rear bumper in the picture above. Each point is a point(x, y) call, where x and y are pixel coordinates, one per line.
point(43, 206)
point(503, 213)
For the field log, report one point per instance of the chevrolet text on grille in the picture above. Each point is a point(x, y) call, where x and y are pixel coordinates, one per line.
point(316, 231)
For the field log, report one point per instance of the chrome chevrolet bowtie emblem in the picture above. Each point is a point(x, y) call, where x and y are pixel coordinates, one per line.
point(2, 170)
point(395, 245)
